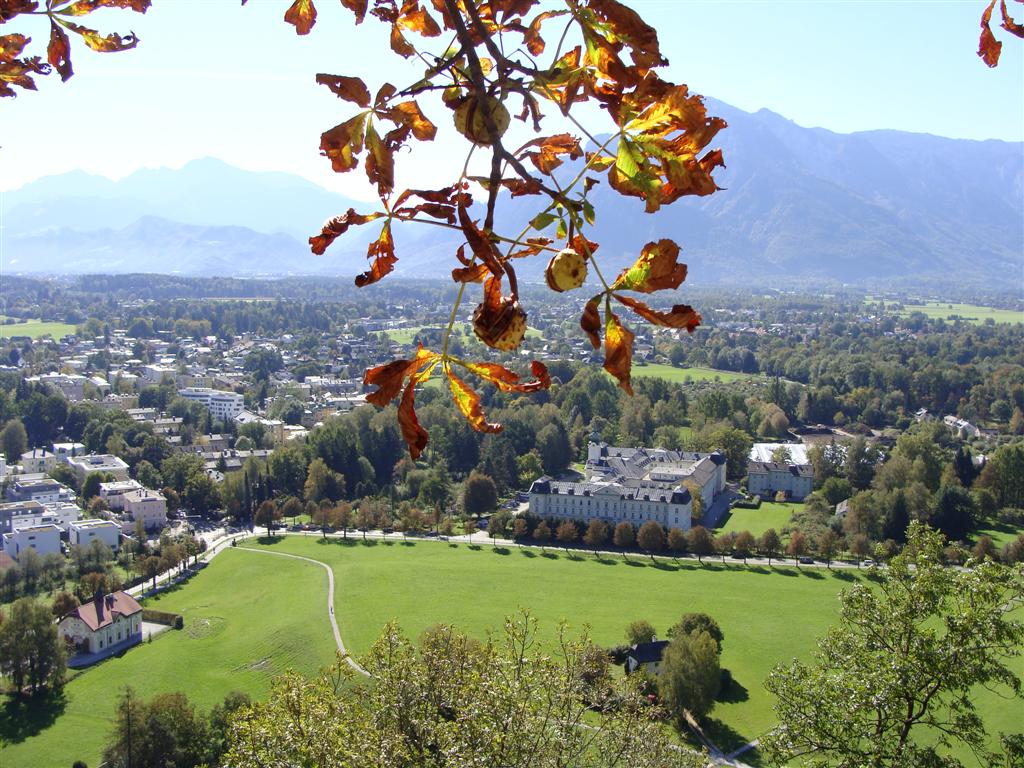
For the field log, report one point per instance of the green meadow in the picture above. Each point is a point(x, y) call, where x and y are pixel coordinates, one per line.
point(770, 514)
point(972, 312)
point(679, 375)
point(34, 329)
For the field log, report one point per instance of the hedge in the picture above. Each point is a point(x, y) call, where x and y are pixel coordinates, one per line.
point(175, 620)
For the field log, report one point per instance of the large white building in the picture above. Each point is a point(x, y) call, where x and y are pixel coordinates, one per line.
point(222, 405)
point(83, 466)
point(148, 506)
point(27, 514)
point(44, 539)
point(113, 492)
point(632, 485)
point(794, 476)
point(84, 532)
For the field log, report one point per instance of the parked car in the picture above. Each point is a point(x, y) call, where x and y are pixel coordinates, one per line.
point(807, 560)
point(868, 563)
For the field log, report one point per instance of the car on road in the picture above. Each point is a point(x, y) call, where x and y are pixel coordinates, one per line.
point(868, 563)
point(807, 560)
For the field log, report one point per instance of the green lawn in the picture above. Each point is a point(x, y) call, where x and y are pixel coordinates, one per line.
point(972, 312)
point(670, 373)
point(35, 329)
point(1000, 533)
point(770, 514)
point(408, 335)
point(247, 618)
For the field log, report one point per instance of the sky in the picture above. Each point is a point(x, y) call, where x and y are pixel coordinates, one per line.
point(211, 78)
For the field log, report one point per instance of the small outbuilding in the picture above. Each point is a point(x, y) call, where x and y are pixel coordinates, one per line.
point(103, 626)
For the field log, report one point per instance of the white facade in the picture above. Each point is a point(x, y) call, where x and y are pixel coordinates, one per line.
point(63, 451)
point(29, 514)
point(113, 493)
point(83, 466)
point(222, 405)
point(45, 491)
point(103, 625)
point(37, 461)
point(768, 478)
point(84, 532)
point(148, 506)
point(44, 539)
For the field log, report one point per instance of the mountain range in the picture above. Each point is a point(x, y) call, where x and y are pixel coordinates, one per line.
point(798, 204)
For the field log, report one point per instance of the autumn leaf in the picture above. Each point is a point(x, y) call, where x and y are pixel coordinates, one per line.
point(18, 72)
point(655, 270)
point(468, 402)
point(58, 52)
point(534, 246)
point(348, 88)
point(82, 7)
point(388, 378)
point(680, 316)
point(11, 8)
point(336, 227)
point(626, 26)
point(358, 7)
point(111, 43)
point(382, 251)
point(508, 381)
point(1008, 23)
point(408, 113)
point(342, 143)
point(988, 47)
point(302, 15)
point(499, 321)
point(618, 350)
point(413, 433)
point(380, 161)
point(534, 42)
point(546, 158)
point(590, 322)
point(12, 45)
point(481, 246)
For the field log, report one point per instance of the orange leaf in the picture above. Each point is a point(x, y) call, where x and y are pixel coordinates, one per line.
point(388, 378)
point(82, 7)
point(348, 88)
point(590, 322)
point(11, 8)
point(627, 26)
point(479, 244)
point(408, 113)
point(358, 7)
point(12, 45)
point(343, 142)
point(58, 52)
point(468, 402)
point(618, 350)
point(112, 43)
point(508, 381)
point(380, 162)
point(334, 228)
point(534, 42)
point(415, 436)
point(988, 47)
point(582, 245)
point(382, 251)
point(302, 15)
point(400, 45)
point(550, 147)
point(681, 315)
point(535, 245)
point(656, 269)
point(1009, 24)
point(416, 19)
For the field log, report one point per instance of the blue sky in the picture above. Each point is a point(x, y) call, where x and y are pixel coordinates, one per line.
point(211, 78)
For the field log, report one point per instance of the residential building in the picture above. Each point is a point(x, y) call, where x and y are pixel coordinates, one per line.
point(44, 539)
point(63, 451)
point(45, 490)
point(83, 466)
point(26, 514)
point(767, 478)
point(646, 657)
point(961, 427)
point(148, 506)
point(37, 461)
point(84, 532)
point(104, 625)
point(632, 485)
point(797, 452)
point(113, 493)
point(223, 406)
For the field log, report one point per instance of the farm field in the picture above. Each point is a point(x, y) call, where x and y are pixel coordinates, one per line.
point(35, 329)
point(771, 514)
point(407, 335)
point(678, 375)
point(976, 314)
point(247, 618)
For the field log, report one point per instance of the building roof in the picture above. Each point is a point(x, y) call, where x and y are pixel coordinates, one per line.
point(766, 467)
point(648, 653)
point(105, 609)
point(764, 451)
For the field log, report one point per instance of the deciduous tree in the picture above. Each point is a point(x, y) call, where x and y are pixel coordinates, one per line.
point(624, 535)
point(651, 538)
point(690, 675)
point(770, 545)
point(31, 653)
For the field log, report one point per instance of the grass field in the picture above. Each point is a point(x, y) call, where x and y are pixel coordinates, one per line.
point(972, 312)
point(770, 514)
point(34, 329)
point(1000, 533)
point(670, 373)
point(408, 335)
point(247, 618)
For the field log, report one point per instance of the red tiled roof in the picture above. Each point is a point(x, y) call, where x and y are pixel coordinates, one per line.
point(104, 610)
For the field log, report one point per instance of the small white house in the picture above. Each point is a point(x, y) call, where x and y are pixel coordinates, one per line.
point(148, 506)
point(83, 532)
point(646, 657)
point(83, 466)
point(104, 625)
point(37, 461)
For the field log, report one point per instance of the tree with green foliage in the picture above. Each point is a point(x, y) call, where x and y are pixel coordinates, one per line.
point(165, 731)
point(14, 440)
point(893, 684)
point(698, 622)
point(651, 538)
point(953, 512)
point(459, 693)
point(1003, 475)
point(554, 449)
point(267, 514)
point(696, 500)
point(479, 494)
point(91, 484)
point(63, 604)
point(292, 508)
point(836, 489)
point(690, 675)
point(149, 475)
point(201, 493)
point(322, 483)
point(770, 545)
point(31, 653)
point(639, 632)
